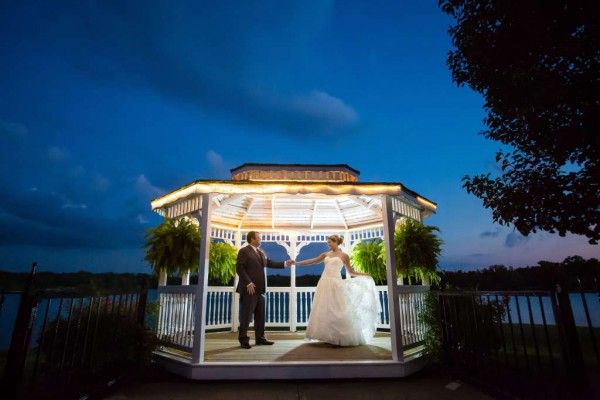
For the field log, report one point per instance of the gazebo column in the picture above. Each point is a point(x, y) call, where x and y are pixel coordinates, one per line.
point(185, 278)
point(162, 277)
point(393, 291)
point(235, 297)
point(202, 289)
point(292, 304)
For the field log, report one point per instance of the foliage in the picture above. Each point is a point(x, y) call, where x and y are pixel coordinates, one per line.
point(536, 65)
point(368, 256)
point(151, 317)
point(417, 250)
point(473, 322)
point(104, 337)
point(88, 283)
point(222, 259)
point(539, 277)
point(430, 318)
point(174, 246)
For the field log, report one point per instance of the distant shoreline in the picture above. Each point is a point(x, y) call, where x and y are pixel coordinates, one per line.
point(497, 277)
point(96, 282)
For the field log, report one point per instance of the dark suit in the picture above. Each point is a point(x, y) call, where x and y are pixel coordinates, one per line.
point(250, 267)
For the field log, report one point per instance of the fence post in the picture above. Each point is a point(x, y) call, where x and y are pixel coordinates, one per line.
point(1, 301)
point(19, 344)
point(141, 306)
point(566, 324)
point(141, 319)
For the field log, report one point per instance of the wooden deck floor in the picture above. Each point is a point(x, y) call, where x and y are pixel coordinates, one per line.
point(289, 346)
point(292, 357)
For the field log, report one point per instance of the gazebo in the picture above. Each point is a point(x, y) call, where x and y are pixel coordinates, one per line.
point(292, 205)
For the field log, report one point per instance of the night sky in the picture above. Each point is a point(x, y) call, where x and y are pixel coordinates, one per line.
point(104, 106)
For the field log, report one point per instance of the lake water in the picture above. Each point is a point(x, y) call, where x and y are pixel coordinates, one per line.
point(11, 303)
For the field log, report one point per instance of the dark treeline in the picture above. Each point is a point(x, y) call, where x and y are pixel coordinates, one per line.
point(81, 281)
point(89, 282)
point(272, 280)
point(539, 277)
point(496, 277)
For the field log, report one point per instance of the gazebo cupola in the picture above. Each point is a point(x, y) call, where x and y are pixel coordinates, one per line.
point(295, 172)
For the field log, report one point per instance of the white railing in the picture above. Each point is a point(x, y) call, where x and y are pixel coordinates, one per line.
point(219, 306)
point(412, 302)
point(176, 315)
point(304, 299)
point(177, 304)
point(384, 321)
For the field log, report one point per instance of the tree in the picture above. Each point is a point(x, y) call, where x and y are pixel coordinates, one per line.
point(173, 246)
point(417, 250)
point(537, 65)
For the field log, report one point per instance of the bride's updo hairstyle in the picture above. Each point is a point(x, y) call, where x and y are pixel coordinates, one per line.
point(337, 238)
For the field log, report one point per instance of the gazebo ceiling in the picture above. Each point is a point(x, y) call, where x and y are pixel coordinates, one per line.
point(305, 212)
point(311, 197)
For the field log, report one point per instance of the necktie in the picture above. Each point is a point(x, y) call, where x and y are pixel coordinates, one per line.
point(260, 255)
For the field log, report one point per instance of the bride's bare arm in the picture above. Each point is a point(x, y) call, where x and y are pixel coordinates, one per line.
point(311, 261)
point(349, 268)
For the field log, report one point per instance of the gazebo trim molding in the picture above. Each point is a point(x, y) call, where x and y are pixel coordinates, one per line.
point(200, 187)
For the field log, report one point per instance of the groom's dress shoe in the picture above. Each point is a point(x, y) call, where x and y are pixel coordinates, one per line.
point(245, 345)
point(263, 342)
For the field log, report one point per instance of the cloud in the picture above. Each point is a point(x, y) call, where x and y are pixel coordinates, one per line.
point(13, 130)
point(490, 234)
point(73, 205)
point(56, 153)
point(333, 112)
point(514, 239)
point(218, 167)
point(101, 183)
point(218, 56)
point(39, 218)
point(476, 255)
point(145, 187)
point(76, 172)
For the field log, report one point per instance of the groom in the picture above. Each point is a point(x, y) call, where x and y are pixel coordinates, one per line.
point(251, 262)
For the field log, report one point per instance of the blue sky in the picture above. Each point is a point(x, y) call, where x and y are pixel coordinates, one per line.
point(106, 105)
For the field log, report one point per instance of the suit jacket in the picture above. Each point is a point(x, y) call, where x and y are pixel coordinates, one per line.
point(250, 269)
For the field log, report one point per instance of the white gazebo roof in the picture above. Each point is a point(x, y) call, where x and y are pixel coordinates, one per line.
point(293, 196)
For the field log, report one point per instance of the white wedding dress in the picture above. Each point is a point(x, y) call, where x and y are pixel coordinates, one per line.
point(344, 312)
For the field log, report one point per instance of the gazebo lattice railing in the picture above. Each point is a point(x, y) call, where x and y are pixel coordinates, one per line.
point(176, 316)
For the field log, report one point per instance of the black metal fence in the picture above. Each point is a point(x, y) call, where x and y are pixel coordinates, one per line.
point(68, 345)
point(523, 343)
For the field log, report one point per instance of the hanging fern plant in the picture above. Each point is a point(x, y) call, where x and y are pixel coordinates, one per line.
point(417, 249)
point(222, 260)
point(173, 246)
point(368, 256)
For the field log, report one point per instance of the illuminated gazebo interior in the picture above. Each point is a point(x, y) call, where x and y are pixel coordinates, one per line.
point(292, 205)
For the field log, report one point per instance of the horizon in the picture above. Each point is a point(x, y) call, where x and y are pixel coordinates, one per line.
point(311, 271)
point(108, 106)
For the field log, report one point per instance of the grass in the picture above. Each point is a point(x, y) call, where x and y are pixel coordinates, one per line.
point(516, 346)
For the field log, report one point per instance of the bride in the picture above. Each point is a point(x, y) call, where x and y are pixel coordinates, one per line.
point(344, 312)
